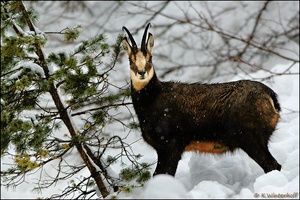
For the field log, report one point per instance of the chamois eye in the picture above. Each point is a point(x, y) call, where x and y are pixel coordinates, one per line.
point(148, 66)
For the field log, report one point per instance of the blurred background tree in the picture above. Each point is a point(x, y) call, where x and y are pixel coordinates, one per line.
point(207, 41)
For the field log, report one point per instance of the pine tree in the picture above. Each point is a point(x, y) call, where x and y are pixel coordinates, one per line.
point(56, 105)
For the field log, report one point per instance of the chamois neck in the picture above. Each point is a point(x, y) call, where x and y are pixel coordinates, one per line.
point(144, 98)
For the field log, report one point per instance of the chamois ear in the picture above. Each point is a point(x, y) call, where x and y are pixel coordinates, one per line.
point(150, 42)
point(126, 46)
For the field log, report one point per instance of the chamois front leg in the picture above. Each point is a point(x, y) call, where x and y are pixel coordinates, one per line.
point(167, 163)
point(168, 159)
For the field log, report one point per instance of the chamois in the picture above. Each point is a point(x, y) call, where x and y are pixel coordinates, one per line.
point(175, 117)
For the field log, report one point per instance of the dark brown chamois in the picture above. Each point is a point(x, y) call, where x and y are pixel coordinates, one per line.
point(175, 117)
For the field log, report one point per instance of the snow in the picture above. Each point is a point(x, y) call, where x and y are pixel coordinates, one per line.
point(29, 65)
point(156, 188)
point(232, 175)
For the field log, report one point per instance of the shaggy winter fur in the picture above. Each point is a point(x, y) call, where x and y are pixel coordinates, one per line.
point(176, 117)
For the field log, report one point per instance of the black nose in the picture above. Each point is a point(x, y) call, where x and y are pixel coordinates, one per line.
point(142, 73)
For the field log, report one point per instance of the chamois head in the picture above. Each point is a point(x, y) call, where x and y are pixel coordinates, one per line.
point(140, 59)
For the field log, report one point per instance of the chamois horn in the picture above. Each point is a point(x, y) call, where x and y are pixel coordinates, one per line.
point(143, 45)
point(131, 38)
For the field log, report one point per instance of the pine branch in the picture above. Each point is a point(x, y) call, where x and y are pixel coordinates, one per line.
point(101, 108)
point(61, 109)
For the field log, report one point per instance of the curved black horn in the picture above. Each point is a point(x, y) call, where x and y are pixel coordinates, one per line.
point(143, 46)
point(130, 37)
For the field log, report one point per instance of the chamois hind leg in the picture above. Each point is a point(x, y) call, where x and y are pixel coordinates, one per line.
point(167, 161)
point(259, 152)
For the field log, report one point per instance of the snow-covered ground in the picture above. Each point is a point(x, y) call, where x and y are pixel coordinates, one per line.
point(198, 175)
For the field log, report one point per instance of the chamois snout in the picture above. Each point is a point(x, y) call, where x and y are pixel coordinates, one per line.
point(142, 74)
point(213, 118)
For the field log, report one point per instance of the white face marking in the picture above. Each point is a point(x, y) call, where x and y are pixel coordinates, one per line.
point(139, 83)
point(140, 61)
point(141, 70)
